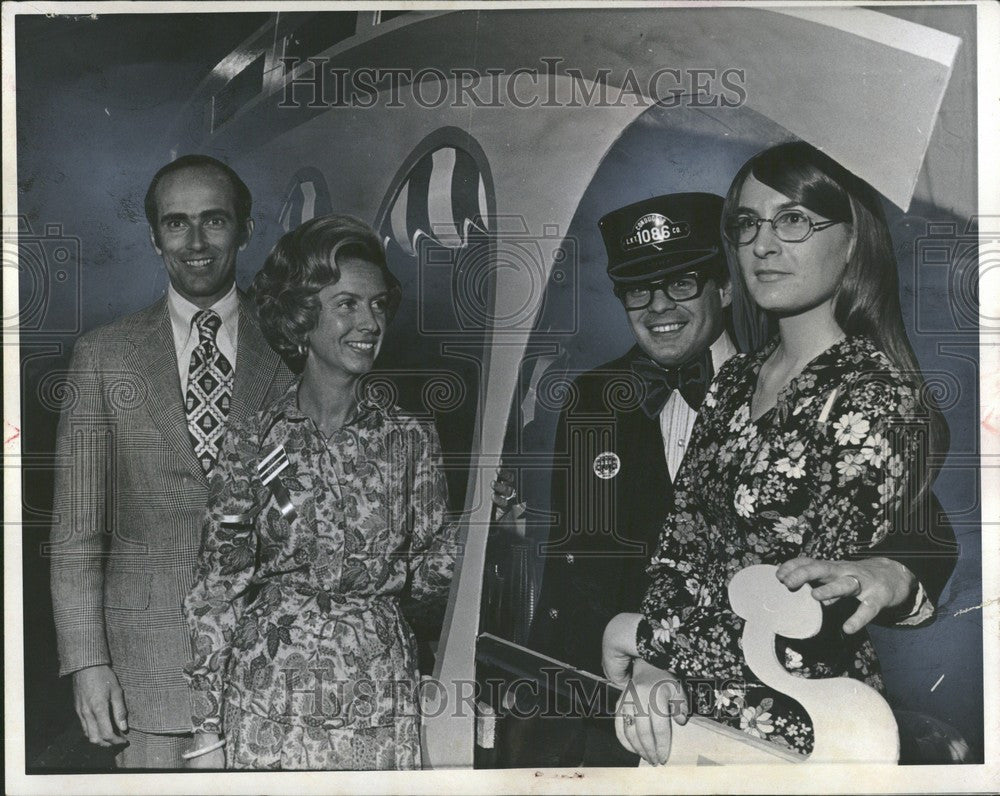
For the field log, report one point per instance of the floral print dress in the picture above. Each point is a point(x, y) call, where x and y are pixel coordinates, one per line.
point(302, 659)
point(822, 474)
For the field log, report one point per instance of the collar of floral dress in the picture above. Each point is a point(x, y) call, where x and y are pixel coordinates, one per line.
point(370, 411)
point(837, 355)
point(845, 355)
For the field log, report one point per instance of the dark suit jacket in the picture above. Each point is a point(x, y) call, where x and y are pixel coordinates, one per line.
point(129, 499)
point(605, 529)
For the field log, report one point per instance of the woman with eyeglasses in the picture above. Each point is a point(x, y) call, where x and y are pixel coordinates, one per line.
point(805, 455)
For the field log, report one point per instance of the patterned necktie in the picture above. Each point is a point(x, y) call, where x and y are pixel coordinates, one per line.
point(209, 390)
point(692, 379)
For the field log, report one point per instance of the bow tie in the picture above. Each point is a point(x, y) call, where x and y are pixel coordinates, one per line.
point(692, 379)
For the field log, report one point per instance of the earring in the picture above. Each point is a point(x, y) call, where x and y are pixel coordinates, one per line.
point(303, 349)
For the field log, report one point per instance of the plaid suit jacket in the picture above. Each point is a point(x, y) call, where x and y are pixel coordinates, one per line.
point(129, 499)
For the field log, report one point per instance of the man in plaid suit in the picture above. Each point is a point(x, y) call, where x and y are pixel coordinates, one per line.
point(148, 399)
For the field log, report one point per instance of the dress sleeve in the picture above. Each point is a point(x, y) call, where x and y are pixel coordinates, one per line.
point(226, 564)
point(925, 544)
point(865, 471)
point(433, 541)
point(874, 477)
point(869, 474)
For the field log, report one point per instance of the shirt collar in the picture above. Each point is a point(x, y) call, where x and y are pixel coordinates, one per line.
point(722, 350)
point(182, 314)
point(287, 408)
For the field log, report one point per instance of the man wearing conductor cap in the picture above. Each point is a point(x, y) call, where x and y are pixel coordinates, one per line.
point(625, 434)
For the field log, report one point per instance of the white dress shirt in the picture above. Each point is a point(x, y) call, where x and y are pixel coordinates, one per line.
point(182, 314)
point(677, 418)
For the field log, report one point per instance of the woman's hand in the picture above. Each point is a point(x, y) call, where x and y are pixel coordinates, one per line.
point(503, 489)
point(877, 583)
point(215, 759)
point(509, 515)
point(618, 647)
point(651, 700)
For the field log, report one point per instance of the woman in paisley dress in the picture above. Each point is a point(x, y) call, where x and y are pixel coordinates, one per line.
point(805, 455)
point(302, 659)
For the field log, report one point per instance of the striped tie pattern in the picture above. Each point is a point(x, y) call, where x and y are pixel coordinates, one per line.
point(209, 390)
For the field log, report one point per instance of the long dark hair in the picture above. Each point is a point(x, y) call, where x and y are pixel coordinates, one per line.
point(867, 301)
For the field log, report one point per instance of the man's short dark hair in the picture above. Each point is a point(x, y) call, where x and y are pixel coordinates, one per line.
point(243, 199)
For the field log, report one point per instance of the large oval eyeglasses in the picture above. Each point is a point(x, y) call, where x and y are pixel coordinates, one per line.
point(790, 226)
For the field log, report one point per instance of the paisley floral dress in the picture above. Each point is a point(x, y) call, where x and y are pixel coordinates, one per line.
point(822, 474)
point(302, 658)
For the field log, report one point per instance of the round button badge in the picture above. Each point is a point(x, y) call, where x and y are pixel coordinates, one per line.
point(607, 465)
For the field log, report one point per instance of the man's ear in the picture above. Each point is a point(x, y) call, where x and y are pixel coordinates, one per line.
point(248, 233)
point(152, 239)
point(726, 293)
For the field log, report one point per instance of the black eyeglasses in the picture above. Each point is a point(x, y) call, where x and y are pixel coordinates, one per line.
point(790, 226)
point(683, 287)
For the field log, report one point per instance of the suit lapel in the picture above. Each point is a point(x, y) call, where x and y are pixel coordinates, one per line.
point(256, 365)
point(650, 490)
point(645, 447)
point(154, 355)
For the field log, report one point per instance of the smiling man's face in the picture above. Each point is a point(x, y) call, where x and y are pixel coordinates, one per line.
point(674, 332)
point(198, 235)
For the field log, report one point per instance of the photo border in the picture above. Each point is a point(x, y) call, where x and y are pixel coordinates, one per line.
point(965, 778)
